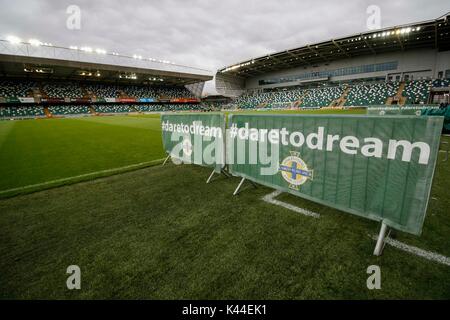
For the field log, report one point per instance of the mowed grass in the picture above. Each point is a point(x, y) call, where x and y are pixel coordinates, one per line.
point(37, 151)
point(162, 233)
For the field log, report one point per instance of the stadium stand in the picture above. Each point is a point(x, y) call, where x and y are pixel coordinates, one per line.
point(21, 112)
point(63, 90)
point(74, 90)
point(444, 83)
point(126, 108)
point(16, 88)
point(7, 112)
point(101, 90)
point(167, 107)
point(321, 97)
point(156, 93)
point(63, 110)
point(371, 94)
point(417, 92)
point(364, 94)
point(118, 108)
point(268, 99)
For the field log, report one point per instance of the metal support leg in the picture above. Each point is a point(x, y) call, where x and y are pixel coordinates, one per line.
point(380, 242)
point(210, 176)
point(238, 187)
point(446, 151)
point(168, 157)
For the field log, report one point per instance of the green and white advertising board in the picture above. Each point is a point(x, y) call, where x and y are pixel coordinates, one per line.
point(378, 167)
point(195, 138)
point(396, 110)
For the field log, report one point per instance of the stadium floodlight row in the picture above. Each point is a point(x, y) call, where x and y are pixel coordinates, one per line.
point(36, 49)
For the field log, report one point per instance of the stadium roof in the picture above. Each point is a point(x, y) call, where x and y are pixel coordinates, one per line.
point(426, 34)
point(34, 59)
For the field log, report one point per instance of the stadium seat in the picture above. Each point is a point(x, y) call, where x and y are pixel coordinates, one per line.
point(417, 92)
point(102, 91)
point(371, 94)
point(119, 108)
point(21, 112)
point(68, 109)
point(441, 83)
point(63, 90)
point(10, 89)
point(321, 97)
point(269, 99)
point(156, 92)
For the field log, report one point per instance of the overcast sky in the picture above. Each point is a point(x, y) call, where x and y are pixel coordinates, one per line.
point(204, 33)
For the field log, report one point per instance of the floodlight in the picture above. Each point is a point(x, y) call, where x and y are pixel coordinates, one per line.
point(34, 42)
point(13, 39)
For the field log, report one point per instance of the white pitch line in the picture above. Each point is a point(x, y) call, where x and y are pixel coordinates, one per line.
point(118, 170)
point(432, 256)
point(270, 199)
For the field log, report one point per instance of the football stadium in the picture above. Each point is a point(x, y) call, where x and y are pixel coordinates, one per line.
point(92, 180)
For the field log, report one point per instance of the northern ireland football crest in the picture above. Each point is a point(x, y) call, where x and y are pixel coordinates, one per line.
point(295, 171)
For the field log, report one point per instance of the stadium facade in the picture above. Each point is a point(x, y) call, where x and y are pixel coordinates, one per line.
point(415, 51)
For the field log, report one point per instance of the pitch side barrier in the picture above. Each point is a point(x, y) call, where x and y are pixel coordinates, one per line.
point(195, 139)
point(377, 167)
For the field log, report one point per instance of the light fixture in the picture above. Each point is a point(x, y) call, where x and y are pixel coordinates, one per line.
point(34, 42)
point(13, 39)
point(100, 51)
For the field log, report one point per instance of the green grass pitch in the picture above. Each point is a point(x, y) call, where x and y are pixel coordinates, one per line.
point(162, 233)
